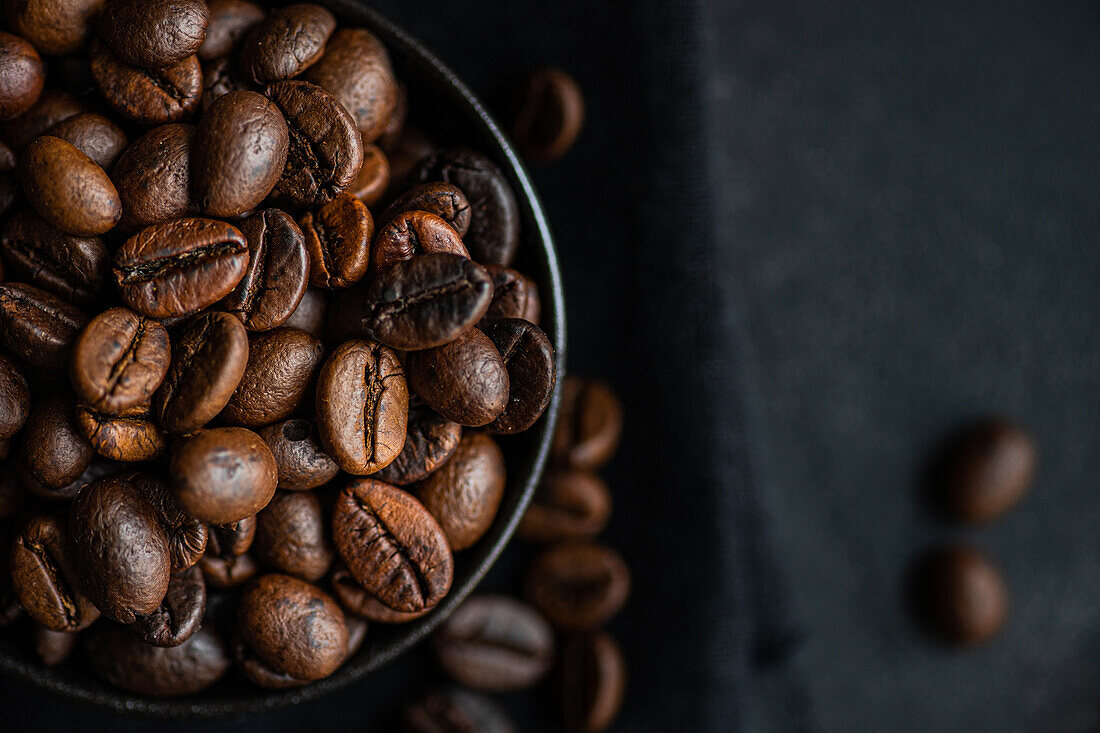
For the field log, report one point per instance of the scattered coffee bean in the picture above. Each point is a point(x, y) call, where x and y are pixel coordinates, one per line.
point(291, 536)
point(579, 585)
point(589, 425)
point(153, 177)
point(129, 435)
point(286, 43)
point(122, 659)
point(570, 504)
point(222, 475)
point(21, 76)
point(989, 470)
point(412, 233)
point(277, 274)
point(45, 578)
point(465, 380)
point(549, 115)
point(456, 710)
point(153, 33)
point(302, 462)
point(53, 452)
point(464, 494)
point(593, 682)
point(961, 596)
point(338, 239)
point(442, 199)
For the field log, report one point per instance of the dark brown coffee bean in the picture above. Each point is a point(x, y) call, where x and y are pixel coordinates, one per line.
point(338, 238)
point(58, 27)
point(53, 451)
point(218, 79)
point(222, 475)
point(187, 536)
point(94, 135)
point(153, 33)
point(277, 274)
point(45, 578)
point(494, 223)
point(303, 463)
point(465, 380)
point(228, 572)
point(74, 268)
point(180, 267)
point(21, 76)
point(442, 199)
point(291, 536)
point(96, 470)
point(229, 21)
point(392, 545)
point(427, 301)
point(53, 647)
point(282, 367)
point(67, 188)
point(514, 296)
point(593, 682)
point(456, 711)
point(495, 644)
point(548, 116)
point(430, 441)
point(286, 43)
point(412, 233)
point(15, 398)
point(119, 360)
point(227, 563)
point(362, 406)
point(961, 595)
point(129, 435)
point(464, 493)
point(532, 372)
point(208, 362)
point(311, 312)
point(240, 151)
point(292, 627)
point(180, 613)
point(356, 70)
point(570, 504)
point(38, 326)
point(259, 673)
point(374, 176)
point(120, 548)
point(988, 471)
point(578, 585)
point(232, 540)
point(122, 659)
point(52, 107)
point(355, 600)
point(589, 425)
point(153, 177)
point(148, 96)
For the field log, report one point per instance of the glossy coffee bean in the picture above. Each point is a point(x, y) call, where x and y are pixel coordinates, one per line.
point(37, 326)
point(570, 503)
point(179, 267)
point(240, 151)
point(153, 33)
point(52, 107)
point(94, 135)
point(187, 536)
point(15, 398)
point(119, 360)
point(356, 70)
point(358, 602)
point(208, 361)
point(130, 435)
point(153, 177)
point(392, 545)
point(961, 596)
point(430, 440)
point(442, 199)
point(326, 149)
point(120, 548)
point(413, 233)
point(282, 366)
point(291, 536)
point(427, 301)
point(74, 268)
point(180, 613)
point(21, 76)
point(67, 189)
point(53, 647)
point(227, 563)
point(578, 585)
point(456, 710)
point(494, 224)
point(374, 176)
point(989, 470)
point(589, 425)
point(286, 43)
point(495, 644)
point(465, 380)
point(338, 238)
point(277, 274)
point(120, 658)
point(303, 463)
point(593, 682)
point(548, 115)
point(229, 21)
point(148, 96)
point(45, 578)
point(514, 296)
point(362, 406)
point(464, 493)
point(53, 452)
point(222, 475)
point(532, 372)
point(53, 26)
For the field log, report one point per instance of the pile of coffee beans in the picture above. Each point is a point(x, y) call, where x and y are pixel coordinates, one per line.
point(259, 340)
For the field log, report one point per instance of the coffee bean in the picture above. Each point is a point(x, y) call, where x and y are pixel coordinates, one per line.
point(219, 78)
point(148, 96)
point(464, 493)
point(180, 613)
point(258, 673)
point(21, 76)
point(593, 677)
point(187, 536)
point(459, 711)
point(74, 268)
point(119, 360)
point(356, 70)
point(338, 238)
point(277, 274)
point(282, 366)
point(412, 233)
point(532, 372)
point(56, 27)
point(291, 536)
point(578, 585)
point(153, 177)
point(442, 199)
point(96, 470)
point(362, 406)
point(311, 312)
point(94, 135)
point(52, 107)
point(392, 545)
point(120, 658)
point(374, 176)
point(208, 361)
point(38, 326)
point(303, 463)
point(129, 435)
point(153, 33)
point(961, 595)
point(53, 452)
point(570, 504)
point(228, 572)
point(222, 475)
point(356, 600)
point(67, 189)
point(989, 470)
point(180, 267)
point(229, 21)
point(514, 296)
point(430, 440)
point(286, 43)
point(232, 540)
point(494, 223)
point(357, 634)
point(15, 399)
point(548, 116)
point(45, 578)
point(495, 644)
point(427, 301)
point(465, 380)
point(589, 426)
point(240, 152)
point(227, 563)
point(53, 647)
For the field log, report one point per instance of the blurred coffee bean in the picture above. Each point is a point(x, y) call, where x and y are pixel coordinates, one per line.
point(52, 107)
point(15, 399)
point(548, 115)
point(153, 33)
point(570, 503)
point(54, 26)
point(356, 70)
point(961, 595)
point(593, 683)
point(120, 658)
point(374, 176)
point(514, 296)
point(229, 21)
point(53, 647)
point(21, 76)
point(456, 710)
point(988, 471)
point(37, 326)
point(74, 268)
point(589, 425)
point(94, 135)
point(578, 585)
point(53, 452)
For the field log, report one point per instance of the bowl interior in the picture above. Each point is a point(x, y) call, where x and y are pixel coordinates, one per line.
point(442, 106)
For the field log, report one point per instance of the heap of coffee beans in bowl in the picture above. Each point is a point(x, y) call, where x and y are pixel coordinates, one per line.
point(256, 345)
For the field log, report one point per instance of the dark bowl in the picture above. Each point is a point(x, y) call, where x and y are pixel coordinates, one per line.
point(457, 117)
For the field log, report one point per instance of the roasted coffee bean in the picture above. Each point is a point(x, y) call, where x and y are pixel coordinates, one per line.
point(119, 548)
point(303, 463)
point(228, 572)
point(291, 536)
point(548, 115)
point(458, 711)
point(120, 658)
point(53, 451)
point(427, 301)
point(53, 647)
point(464, 493)
point(180, 614)
point(258, 673)
point(227, 563)
point(15, 398)
point(240, 151)
point(148, 96)
point(292, 627)
point(430, 441)
point(465, 380)
point(357, 601)
point(222, 475)
point(356, 70)
point(153, 177)
point(119, 360)
point(45, 578)
point(21, 76)
point(57, 27)
point(412, 233)
point(187, 536)
point(442, 199)
point(67, 188)
point(277, 274)
point(593, 682)
point(570, 503)
point(311, 312)
point(589, 426)
point(514, 296)
point(153, 33)
point(232, 540)
point(94, 135)
point(218, 79)
point(282, 366)
point(392, 545)
point(961, 596)
point(38, 326)
point(494, 224)
point(129, 435)
point(286, 43)
point(374, 176)
point(52, 107)
point(180, 267)
point(362, 406)
point(96, 470)
point(532, 372)
point(229, 21)
point(208, 362)
point(74, 268)
point(988, 471)
point(578, 585)
point(495, 644)
point(338, 238)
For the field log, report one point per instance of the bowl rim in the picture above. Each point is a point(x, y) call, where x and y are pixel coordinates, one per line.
point(413, 54)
